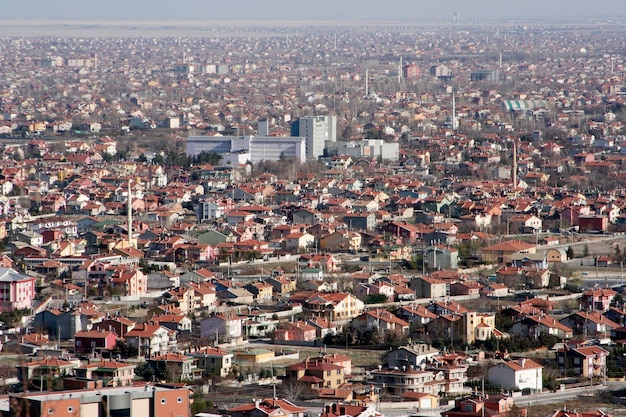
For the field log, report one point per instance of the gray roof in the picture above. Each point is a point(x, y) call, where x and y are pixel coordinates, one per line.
point(11, 275)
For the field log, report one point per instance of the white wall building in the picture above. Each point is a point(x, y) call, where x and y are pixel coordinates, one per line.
point(241, 149)
point(519, 374)
point(317, 130)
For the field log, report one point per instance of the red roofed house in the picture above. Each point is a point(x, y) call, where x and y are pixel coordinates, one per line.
point(88, 341)
point(597, 299)
point(272, 407)
point(181, 366)
point(113, 373)
point(382, 320)
point(316, 373)
point(584, 361)
point(298, 331)
point(502, 252)
point(517, 375)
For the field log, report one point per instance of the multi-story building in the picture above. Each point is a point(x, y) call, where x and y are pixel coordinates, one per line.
point(149, 401)
point(213, 361)
point(242, 149)
point(151, 339)
point(520, 374)
point(16, 290)
point(112, 373)
point(317, 130)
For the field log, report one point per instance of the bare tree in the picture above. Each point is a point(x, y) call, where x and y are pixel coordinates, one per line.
point(292, 390)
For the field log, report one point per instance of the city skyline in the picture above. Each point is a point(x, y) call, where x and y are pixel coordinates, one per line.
point(323, 10)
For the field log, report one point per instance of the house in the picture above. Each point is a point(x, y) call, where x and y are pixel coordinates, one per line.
point(180, 366)
point(441, 257)
point(322, 327)
point(476, 405)
point(429, 287)
point(341, 240)
point(524, 223)
point(224, 326)
point(263, 292)
point(346, 410)
point(42, 371)
point(534, 325)
point(597, 299)
point(151, 339)
point(94, 341)
point(112, 373)
point(64, 324)
point(586, 362)
point(333, 306)
point(465, 288)
point(295, 332)
point(448, 378)
point(177, 322)
point(415, 312)
point(590, 323)
point(415, 355)
point(381, 320)
point(520, 374)
point(503, 252)
point(495, 290)
point(118, 325)
point(271, 407)
point(315, 373)
point(214, 361)
point(17, 290)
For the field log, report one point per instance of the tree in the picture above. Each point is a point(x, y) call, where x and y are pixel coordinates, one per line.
point(570, 252)
point(292, 390)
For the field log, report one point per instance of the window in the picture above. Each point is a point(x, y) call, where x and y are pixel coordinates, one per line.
point(179, 400)
point(163, 400)
point(78, 343)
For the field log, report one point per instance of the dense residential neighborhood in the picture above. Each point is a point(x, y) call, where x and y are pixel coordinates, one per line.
point(354, 224)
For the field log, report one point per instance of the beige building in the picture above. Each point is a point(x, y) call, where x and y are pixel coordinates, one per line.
point(341, 240)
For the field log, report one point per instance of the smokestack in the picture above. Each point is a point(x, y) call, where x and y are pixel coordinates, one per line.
point(453, 111)
point(130, 217)
point(514, 165)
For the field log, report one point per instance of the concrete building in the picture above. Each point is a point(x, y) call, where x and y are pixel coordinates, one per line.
point(242, 149)
point(317, 130)
point(519, 374)
point(16, 290)
point(148, 401)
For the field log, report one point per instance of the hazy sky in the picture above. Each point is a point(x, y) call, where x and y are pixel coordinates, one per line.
point(303, 10)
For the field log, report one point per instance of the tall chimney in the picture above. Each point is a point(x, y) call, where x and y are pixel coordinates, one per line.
point(129, 209)
point(514, 164)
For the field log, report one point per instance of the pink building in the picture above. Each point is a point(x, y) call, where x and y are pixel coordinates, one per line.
point(16, 290)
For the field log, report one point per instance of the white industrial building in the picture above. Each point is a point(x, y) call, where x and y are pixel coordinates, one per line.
point(241, 149)
point(369, 148)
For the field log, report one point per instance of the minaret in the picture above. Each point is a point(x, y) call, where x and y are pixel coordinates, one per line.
point(129, 213)
point(453, 111)
point(514, 165)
